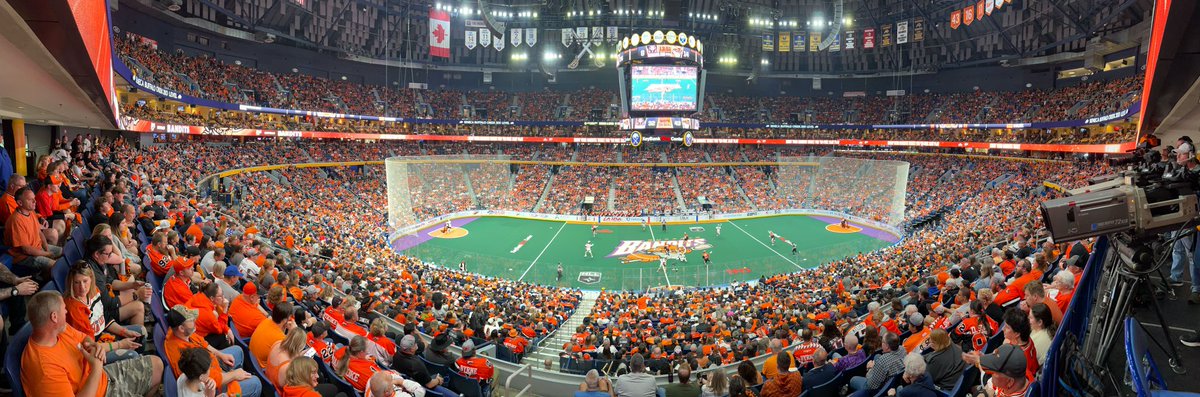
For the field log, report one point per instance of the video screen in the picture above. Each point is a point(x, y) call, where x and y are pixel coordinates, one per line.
point(663, 88)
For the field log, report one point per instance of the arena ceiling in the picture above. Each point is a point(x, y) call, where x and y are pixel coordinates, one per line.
point(1024, 32)
point(34, 86)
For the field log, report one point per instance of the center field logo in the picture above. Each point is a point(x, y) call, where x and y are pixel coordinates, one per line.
point(650, 251)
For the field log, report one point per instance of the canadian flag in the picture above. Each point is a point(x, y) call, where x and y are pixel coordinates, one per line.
point(439, 34)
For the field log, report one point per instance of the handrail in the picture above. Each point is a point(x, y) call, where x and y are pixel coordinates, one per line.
point(526, 367)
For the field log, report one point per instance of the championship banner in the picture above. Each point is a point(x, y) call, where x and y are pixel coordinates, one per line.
point(800, 41)
point(887, 36)
point(768, 42)
point(516, 35)
point(612, 34)
point(979, 11)
point(531, 36)
point(597, 35)
point(835, 39)
point(868, 38)
point(969, 15)
point(989, 6)
point(814, 41)
point(485, 37)
point(567, 36)
point(902, 32)
point(955, 19)
point(581, 35)
point(849, 40)
point(918, 29)
point(499, 46)
point(785, 41)
point(439, 34)
point(470, 39)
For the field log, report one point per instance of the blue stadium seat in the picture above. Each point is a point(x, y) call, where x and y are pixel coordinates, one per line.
point(60, 271)
point(12, 359)
point(832, 388)
point(257, 368)
point(1147, 381)
point(590, 394)
point(464, 386)
point(341, 384)
point(160, 336)
point(436, 368)
point(969, 378)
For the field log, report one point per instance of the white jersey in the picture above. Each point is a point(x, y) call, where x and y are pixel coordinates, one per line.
point(588, 247)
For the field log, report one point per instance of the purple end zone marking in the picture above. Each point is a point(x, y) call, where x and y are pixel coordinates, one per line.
point(867, 230)
point(421, 236)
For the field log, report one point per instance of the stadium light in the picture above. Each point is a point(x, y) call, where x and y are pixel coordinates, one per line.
point(848, 22)
point(765, 62)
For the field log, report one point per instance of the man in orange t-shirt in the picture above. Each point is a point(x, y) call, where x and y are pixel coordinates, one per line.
point(9, 202)
point(181, 323)
point(1016, 289)
point(178, 288)
point(61, 361)
point(245, 311)
point(30, 249)
point(272, 331)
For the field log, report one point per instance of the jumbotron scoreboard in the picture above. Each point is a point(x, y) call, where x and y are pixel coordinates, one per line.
point(661, 78)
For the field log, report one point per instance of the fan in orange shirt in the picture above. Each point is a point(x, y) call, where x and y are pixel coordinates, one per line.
point(181, 323)
point(178, 288)
point(245, 311)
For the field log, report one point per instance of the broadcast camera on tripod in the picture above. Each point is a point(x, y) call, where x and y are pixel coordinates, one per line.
point(1136, 208)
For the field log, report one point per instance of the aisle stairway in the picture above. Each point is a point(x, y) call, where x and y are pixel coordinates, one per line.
point(552, 345)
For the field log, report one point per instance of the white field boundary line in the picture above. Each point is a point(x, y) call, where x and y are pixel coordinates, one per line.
point(539, 256)
point(765, 245)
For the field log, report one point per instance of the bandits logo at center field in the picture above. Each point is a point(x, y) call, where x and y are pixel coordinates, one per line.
point(630, 251)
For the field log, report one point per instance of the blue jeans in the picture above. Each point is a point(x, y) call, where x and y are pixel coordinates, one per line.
point(1195, 268)
point(858, 383)
point(1179, 258)
point(251, 387)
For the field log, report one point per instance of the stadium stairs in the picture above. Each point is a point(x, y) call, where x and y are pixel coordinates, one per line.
point(545, 192)
point(552, 345)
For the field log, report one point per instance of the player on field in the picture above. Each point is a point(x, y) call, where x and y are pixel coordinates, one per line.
point(843, 224)
point(645, 223)
point(772, 235)
point(594, 226)
point(587, 250)
point(706, 257)
point(685, 240)
point(559, 277)
point(718, 230)
point(664, 224)
point(662, 263)
point(462, 266)
point(794, 250)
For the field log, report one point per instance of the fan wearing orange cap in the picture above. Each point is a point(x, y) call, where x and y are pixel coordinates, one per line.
point(245, 311)
point(178, 288)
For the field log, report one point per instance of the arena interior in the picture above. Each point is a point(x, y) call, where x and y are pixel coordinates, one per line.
point(670, 198)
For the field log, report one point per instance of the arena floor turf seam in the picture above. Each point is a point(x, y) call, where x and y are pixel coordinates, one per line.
point(539, 256)
point(765, 245)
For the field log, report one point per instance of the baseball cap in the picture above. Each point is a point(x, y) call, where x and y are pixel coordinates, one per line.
point(408, 342)
point(233, 271)
point(468, 348)
point(180, 264)
point(180, 314)
point(916, 319)
point(250, 289)
point(1185, 147)
point(1007, 360)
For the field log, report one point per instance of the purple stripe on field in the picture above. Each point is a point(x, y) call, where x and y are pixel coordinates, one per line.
point(867, 230)
point(420, 237)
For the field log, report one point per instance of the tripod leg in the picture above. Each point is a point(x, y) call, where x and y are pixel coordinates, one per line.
point(1173, 359)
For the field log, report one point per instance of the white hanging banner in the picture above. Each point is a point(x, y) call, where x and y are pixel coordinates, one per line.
point(485, 37)
point(612, 34)
point(499, 43)
point(581, 34)
point(597, 35)
point(568, 35)
point(515, 35)
point(902, 32)
point(471, 39)
point(531, 36)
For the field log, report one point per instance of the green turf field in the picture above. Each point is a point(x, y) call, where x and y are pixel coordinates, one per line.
point(743, 251)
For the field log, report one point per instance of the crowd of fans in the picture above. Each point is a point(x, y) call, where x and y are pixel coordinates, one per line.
point(326, 230)
point(209, 78)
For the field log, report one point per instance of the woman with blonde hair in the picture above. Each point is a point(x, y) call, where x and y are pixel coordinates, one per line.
point(301, 379)
point(85, 313)
point(381, 346)
point(291, 347)
point(716, 385)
